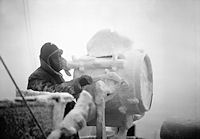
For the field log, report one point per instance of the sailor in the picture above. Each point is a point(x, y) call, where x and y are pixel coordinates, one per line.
point(48, 77)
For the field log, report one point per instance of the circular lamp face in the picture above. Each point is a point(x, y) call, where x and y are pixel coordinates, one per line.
point(146, 83)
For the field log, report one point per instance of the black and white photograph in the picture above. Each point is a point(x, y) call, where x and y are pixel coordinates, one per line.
point(100, 69)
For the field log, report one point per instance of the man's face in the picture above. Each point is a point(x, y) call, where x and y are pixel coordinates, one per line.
point(55, 60)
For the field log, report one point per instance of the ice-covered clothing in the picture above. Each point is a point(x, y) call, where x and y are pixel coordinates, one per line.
point(46, 78)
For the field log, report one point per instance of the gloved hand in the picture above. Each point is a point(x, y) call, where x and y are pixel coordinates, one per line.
point(80, 82)
point(91, 89)
point(85, 80)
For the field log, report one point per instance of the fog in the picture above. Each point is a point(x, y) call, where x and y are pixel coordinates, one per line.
point(168, 30)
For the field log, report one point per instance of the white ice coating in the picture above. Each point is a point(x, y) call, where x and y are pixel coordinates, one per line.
point(124, 70)
point(107, 42)
point(126, 73)
point(126, 82)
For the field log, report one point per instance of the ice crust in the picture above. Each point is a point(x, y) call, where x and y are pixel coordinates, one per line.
point(107, 42)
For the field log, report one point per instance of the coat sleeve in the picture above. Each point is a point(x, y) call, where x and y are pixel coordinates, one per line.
point(43, 85)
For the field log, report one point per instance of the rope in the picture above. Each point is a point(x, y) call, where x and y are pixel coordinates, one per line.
point(28, 26)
